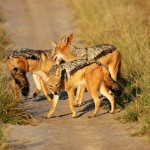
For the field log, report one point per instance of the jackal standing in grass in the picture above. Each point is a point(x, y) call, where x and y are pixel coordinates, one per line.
point(107, 54)
point(80, 72)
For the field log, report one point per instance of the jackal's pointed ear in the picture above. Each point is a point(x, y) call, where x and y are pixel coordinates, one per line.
point(58, 72)
point(67, 39)
point(54, 44)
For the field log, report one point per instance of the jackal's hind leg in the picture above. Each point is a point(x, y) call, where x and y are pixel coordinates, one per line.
point(70, 92)
point(114, 66)
point(79, 95)
point(105, 92)
point(38, 85)
point(95, 97)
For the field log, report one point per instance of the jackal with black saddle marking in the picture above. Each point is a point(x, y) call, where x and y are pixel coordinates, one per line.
point(92, 74)
point(25, 60)
point(106, 54)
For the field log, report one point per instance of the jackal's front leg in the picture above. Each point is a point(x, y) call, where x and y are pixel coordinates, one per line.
point(53, 106)
point(70, 92)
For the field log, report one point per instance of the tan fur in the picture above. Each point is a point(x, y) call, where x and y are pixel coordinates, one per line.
point(101, 82)
point(62, 51)
point(31, 65)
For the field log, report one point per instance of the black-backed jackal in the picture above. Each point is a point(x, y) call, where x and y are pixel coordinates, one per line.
point(25, 60)
point(107, 54)
point(80, 72)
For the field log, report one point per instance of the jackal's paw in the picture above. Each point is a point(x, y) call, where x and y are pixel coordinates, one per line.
point(50, 100)
point(92, 116)
point(47, 117)
point(77, 105)
point(35, 95)
point(74, 115)
point(112, 112)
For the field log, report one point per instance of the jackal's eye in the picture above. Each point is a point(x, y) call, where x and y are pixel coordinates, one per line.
point(50, 86)
point(57, 84)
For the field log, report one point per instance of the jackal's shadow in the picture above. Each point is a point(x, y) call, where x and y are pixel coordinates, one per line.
point(90, 106)
point(63, 96)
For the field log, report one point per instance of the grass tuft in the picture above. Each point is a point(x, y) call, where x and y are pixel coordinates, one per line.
point(10, 111)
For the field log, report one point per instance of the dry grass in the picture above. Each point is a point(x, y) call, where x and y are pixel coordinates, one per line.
point(125, 24)
point(10, 111)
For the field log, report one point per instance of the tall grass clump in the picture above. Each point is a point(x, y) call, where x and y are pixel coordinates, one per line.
point(10, 111)
point(125, 24)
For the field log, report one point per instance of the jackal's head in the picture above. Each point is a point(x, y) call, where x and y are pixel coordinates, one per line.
point(54, 81)
point(61, 48)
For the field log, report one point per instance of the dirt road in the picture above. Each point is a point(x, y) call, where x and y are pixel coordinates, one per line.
point(34, 24)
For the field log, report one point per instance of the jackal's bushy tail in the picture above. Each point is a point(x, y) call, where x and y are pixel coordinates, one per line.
point(113, 86)
point(21, 80)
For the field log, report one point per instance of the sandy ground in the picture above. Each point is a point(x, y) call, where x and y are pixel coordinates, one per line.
point(34, 24)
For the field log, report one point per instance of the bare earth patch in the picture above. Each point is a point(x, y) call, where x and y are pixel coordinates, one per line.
point(34, 24)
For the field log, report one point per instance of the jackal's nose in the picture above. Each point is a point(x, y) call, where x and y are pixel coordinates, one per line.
point(55, 93)
point(15, 69)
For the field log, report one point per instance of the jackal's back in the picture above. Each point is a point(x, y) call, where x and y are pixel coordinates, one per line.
point(73, 66)
point(99, 51)
point(91, 53)
point(29, 53)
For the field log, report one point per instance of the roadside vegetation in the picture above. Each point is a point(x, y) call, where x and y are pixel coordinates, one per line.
point(125, 24)
point(10, 111)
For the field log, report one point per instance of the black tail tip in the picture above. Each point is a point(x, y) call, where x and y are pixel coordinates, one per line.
point(21, 80)
point(118, 92)
point(25, 91)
